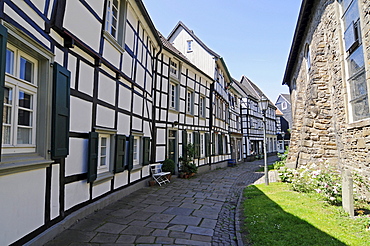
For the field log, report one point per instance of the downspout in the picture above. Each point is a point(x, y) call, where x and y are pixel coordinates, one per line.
point(154, 128)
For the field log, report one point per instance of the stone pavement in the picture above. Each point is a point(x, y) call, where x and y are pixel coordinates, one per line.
point(196, 211)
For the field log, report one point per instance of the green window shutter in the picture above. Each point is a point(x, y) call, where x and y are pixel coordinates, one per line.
point(146, 150)
point(207, 145)
point(220, 146)
point(92, 169)
point(196, 144)
point(130, 152)
point(119, 164)
point(184, 142)
point(3, 40)
point(60, 119)
point(213, 143)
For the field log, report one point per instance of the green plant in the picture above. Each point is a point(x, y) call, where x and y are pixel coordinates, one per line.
point(168, 165)
point(187, 165)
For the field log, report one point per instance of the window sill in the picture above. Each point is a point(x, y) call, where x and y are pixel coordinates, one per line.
point(15, 163)
point(173, 110)
point(136, 168)
point(358, 124)
point(113, 41)
point(189, 114)
point(103, 177)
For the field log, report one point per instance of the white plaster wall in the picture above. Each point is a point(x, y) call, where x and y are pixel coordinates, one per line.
point(100, 189)
point(59, 56)
point(123, 124)
point(140, 76)
point(76, 161)
point(23, 23)
point(76, 193)
point(161, 136)
point(138, 104)
point(80, 115)
point(72, 61)
point(127, 64)
point(120, 179)
point(146, 128)
point(86, 80)
point(172, 117)
point(22, 204)
point(124, 98)
point(54, 199)
point(107, 89)
point(160, 153)
point(98, 6)
point(136, 123)
point(111, 53)
point(135, 176)
point(145, 171)
point(105, 116)
point(79, 21)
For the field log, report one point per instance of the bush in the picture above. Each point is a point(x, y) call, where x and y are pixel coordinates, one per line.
point(168, 165)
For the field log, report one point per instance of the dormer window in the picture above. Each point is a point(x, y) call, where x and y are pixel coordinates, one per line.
point(189, 45)
point(174, 68)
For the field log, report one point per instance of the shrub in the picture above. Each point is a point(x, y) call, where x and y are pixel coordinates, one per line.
point(168, 165)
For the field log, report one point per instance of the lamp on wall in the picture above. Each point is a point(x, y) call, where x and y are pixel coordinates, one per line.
point(283, 135)
point(263, 104)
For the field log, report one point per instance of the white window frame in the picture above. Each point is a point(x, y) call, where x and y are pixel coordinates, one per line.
point(189, 46)
point(174, 68)
point(137, 144)
point(107, 165)
point(109, 26)
point(190, 102)
point(202, 145)
point(173, 96)
point(202, 106)
point(190, 137)
point(16, 84)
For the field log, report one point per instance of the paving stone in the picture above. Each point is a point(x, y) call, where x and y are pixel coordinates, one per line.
point(157, 225)
point(104, 238)
point(87, 225)
point(164, 240)
point(199, 230)
point(203, 214)
point(208, 223)
point(126, 239)
point(178, 234)
point(145, 239)
point(137, 230)
point(190, 205)
point(201, 238)
point(161, 217)
point(191, 242)
point(176, 227)
point(138, 223)
point(111, 228)
point(186, 220)
point(160, 233)
point(156, 208)
point(178, 211)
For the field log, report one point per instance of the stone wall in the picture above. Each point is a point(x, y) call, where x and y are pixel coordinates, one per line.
point(321, 126)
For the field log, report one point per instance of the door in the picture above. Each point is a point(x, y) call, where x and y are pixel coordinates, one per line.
point(172, 146)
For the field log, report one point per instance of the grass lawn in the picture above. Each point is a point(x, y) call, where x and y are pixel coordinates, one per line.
point(275, 215)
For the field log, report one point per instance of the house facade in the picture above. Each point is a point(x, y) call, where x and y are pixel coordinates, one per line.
point(327, 74)
point(212, 64)
point(285, 118)
point(91, 95)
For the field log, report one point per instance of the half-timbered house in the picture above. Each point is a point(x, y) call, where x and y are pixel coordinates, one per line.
point(182, 108)
point(214, 66)
point(77, 93)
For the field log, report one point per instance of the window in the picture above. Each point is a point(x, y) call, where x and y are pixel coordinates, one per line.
point(136, 150)
point(190, 137)
point(308, 57)
point(359, 102)
point(111, 24)
point(115, 23)
point(103, 153)
point(20, 102)
point(189, 47)
point(284, 105)
point(174, 98)
point(202, 145)
point(190, 102)
point(202, 106)
point(174, 68)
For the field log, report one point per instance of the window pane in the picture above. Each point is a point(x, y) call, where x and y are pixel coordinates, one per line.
point(352, 15)
point(24, 136)
point(6, 134)
point(7, 115)
point(9, 67)
point(24, 118)
point(26, 70)
point(25, 100)
point(8, 96)
point(361, 108)
point(103, 161)
point(356, 61)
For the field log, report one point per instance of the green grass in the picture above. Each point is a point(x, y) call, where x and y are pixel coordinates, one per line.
point(262, 169)
point(275, 215)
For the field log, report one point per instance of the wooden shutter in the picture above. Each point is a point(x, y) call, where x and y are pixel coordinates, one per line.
point(196, 145)
point(92, 169)
point(119, 164)
point(130, 153)
point(3, 40)
point(220, 146)
point(184, 142)
point(207, 144)
point(213, 143)
point(146, 150)
point(60, 118)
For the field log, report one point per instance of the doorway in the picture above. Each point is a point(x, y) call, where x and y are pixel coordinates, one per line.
point(172, 147)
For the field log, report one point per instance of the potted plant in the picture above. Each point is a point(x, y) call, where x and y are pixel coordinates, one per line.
point(168, 165)
point(188, 168)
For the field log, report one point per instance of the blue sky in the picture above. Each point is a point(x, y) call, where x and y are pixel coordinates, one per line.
point(253, 36)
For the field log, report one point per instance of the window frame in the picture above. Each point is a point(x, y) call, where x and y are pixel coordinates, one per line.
point(173, 99)
point(189, 45)
point(202, 106)
point(190, 101)
point(108, 165)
